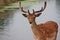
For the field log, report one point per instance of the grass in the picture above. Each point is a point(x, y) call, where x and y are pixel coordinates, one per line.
point(13, 6)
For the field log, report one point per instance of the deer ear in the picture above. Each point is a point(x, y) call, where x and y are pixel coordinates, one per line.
point(25, 15)
point(37, 15)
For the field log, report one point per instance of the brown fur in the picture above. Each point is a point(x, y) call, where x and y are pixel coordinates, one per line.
point(46, 31)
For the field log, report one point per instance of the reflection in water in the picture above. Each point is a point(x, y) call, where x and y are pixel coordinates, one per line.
point(4, 21)
point(15, 27)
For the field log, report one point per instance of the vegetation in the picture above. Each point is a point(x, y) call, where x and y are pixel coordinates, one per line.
point(13, 6)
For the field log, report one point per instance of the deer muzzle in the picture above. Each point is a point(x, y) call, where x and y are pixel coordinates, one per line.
point(30, 22)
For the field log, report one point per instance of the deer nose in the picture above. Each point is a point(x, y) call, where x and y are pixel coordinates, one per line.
point(30, 22)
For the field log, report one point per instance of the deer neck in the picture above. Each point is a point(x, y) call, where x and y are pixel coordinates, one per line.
point(33, 24)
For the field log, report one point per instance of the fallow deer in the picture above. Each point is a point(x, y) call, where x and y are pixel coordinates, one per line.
point(44, 31)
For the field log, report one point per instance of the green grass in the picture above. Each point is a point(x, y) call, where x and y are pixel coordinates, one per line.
point(13, 6)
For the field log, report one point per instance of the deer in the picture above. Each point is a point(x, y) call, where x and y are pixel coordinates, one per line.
point(43, 31)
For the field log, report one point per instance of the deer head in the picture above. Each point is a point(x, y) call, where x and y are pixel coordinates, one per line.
point(31, 16)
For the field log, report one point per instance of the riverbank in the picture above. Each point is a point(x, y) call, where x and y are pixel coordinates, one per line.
point(13, 6)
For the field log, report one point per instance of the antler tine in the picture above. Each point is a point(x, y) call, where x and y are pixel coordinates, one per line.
point(45, 5)
point(42, 8)
point(21, 7)
point(28, 12)
point(23, 10)
point(33, 11)
point(19, 2)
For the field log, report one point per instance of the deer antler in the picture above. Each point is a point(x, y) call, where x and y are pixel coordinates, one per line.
point(22, 7)
point(42, 9)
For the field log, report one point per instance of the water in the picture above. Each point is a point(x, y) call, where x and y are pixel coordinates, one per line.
point(16, 27)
